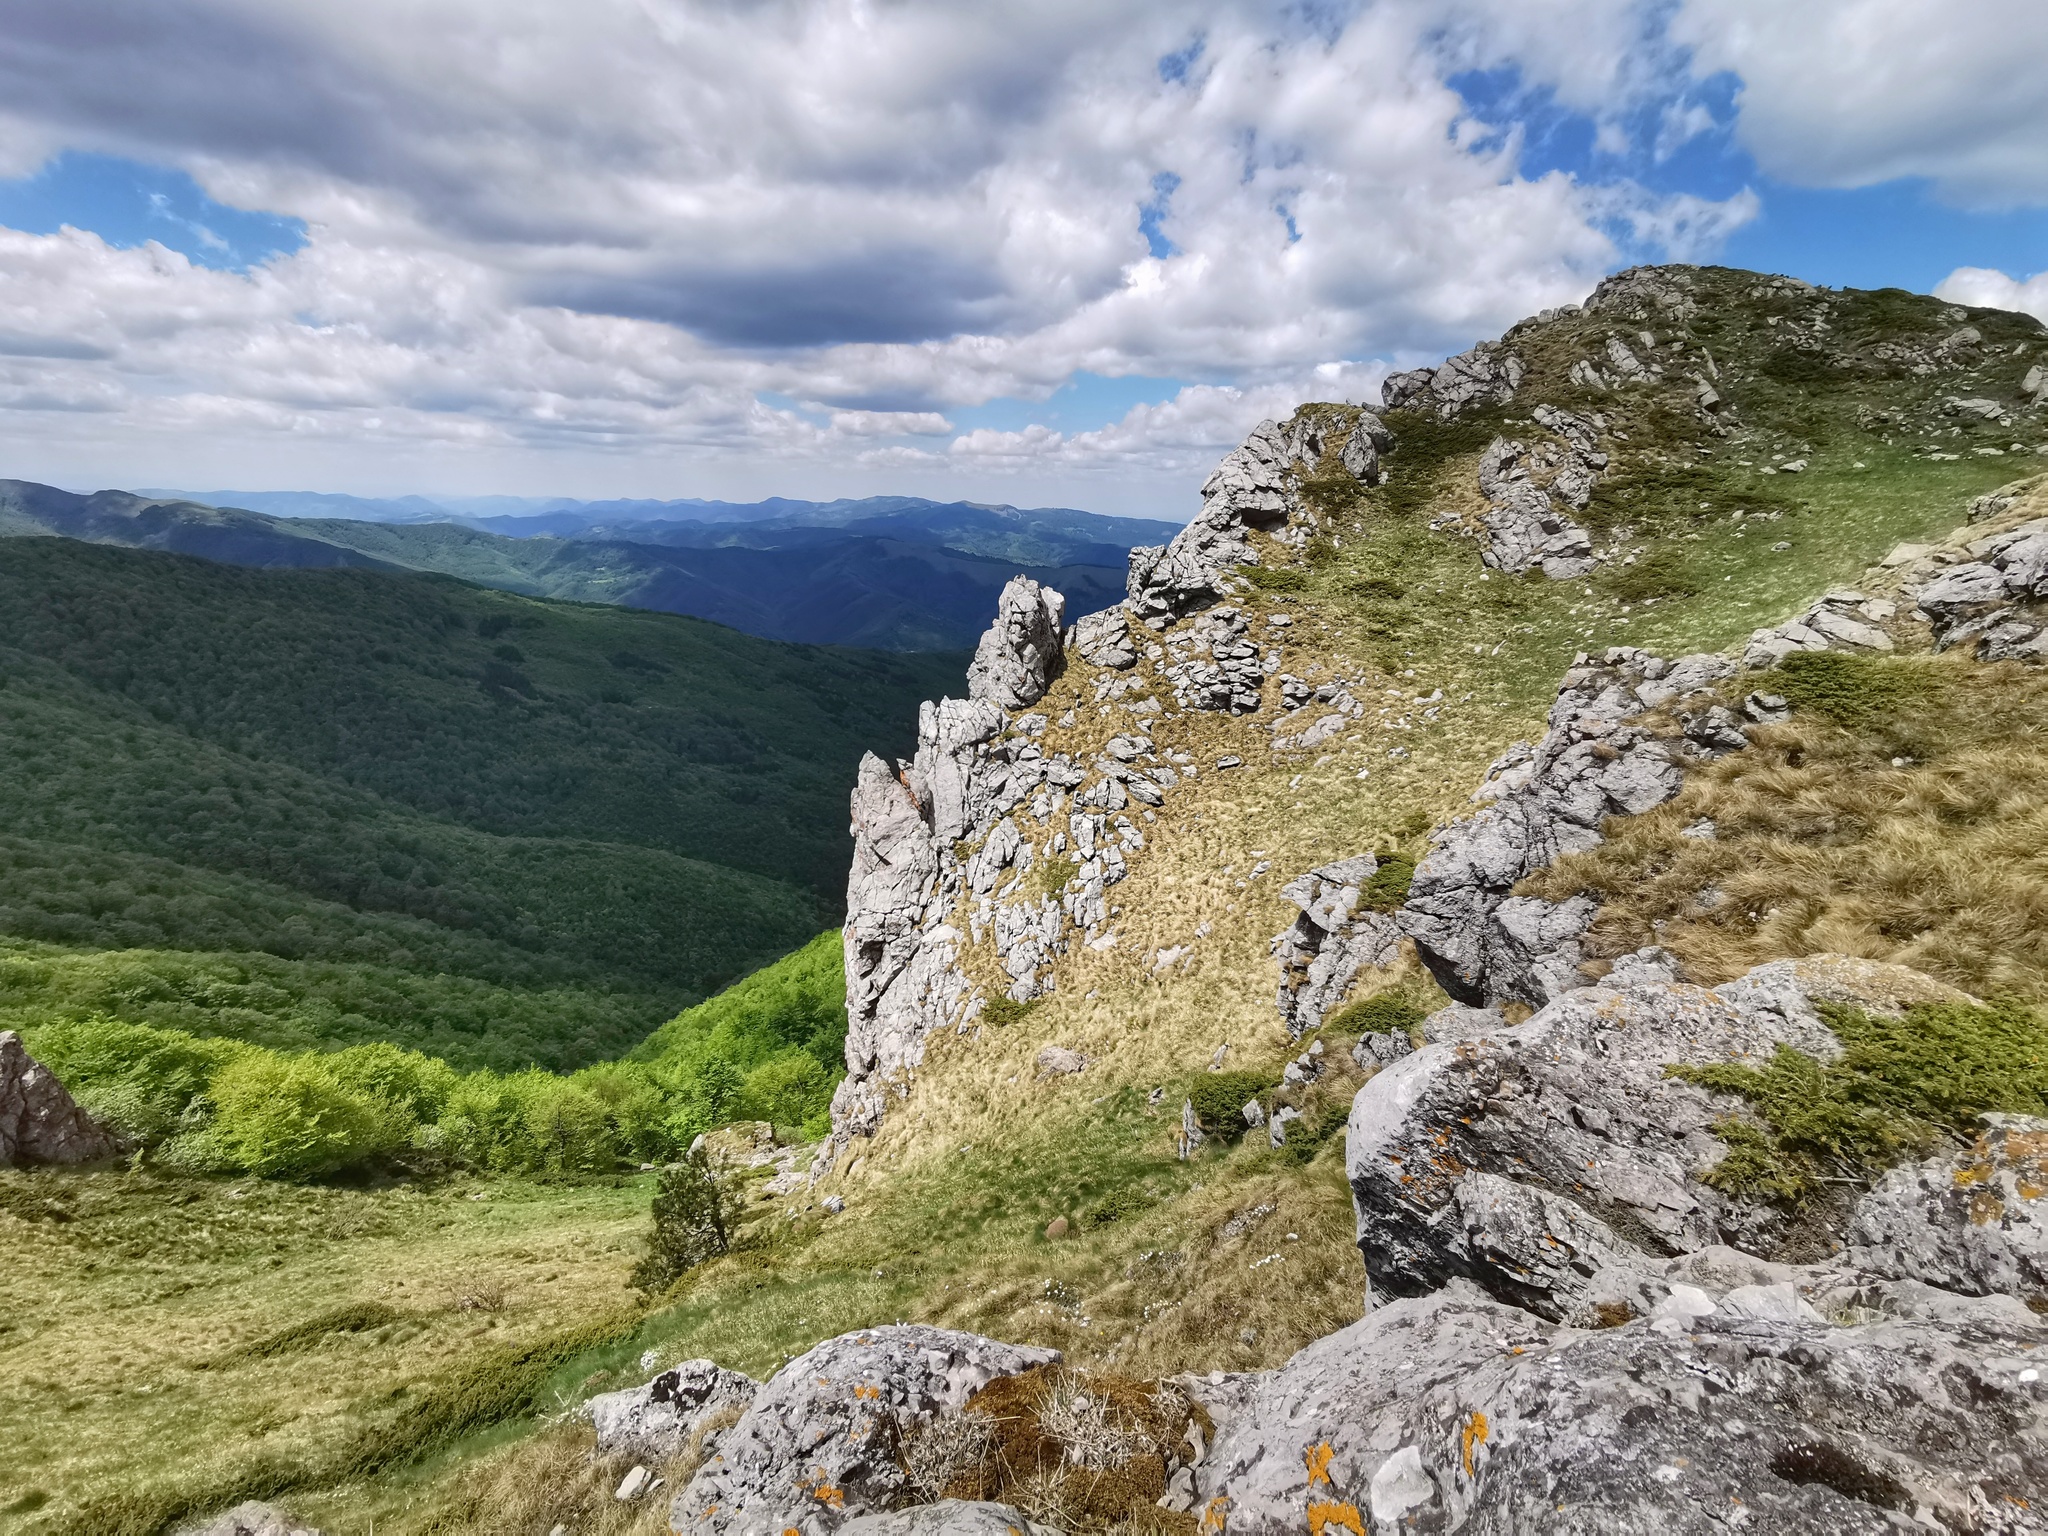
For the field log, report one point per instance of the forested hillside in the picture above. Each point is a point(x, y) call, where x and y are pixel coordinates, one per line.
point(327, 806)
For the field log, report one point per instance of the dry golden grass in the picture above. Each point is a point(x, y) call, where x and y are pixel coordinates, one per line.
point(1920, 839)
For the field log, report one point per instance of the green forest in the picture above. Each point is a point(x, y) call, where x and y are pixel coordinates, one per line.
point(313, 809)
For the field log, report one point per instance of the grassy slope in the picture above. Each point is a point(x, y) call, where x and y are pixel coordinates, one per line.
point(1236, 1259)
point(331, 805)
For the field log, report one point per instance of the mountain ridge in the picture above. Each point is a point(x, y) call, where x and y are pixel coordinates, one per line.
point(889, 572)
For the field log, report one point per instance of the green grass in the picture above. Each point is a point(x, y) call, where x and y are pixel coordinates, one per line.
point(1900, 1086)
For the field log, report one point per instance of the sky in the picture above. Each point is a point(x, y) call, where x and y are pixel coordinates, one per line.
point(1064, 253)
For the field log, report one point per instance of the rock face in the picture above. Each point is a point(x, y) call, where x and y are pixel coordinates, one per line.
point(1552, 1161)
point(1330, 942)
point(1255, 489)
point(657, 1420)
point(1486, 946)
point(1843, 620)
point(39, 1121)
point(1991, 599)
point(1742, 1412)
point(1019, 655)
point(1523, 487)
point(1487, 375)
point(819, 1446)
point(1975, 1221)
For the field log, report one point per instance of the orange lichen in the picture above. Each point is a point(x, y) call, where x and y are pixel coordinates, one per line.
point(1475, 1434)
point(1327, 1515)
point(1215, 1515)
point(1318, 1460)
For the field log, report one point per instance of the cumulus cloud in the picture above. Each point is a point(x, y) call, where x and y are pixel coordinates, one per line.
point(586, 243)
point(1984, 288)
point(1847, 93)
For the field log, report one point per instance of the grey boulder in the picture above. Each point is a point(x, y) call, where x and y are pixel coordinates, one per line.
point(39, 1120)
point(1974, 1221)
point(252, 1519)
point(1454, 1412)
point(657, 1420)
point(820, 1444)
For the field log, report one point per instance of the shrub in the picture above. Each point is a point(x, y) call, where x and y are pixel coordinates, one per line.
point(1219, 1099)
point(1899, 1085)
point(694, 1214)
point(1385, 1013)
point(145, 1083)
point(1852, 690)
point(289, 1117)
point(1006, 1010)
point(1388, 887)
point(418, 1084)
point(790, 1089)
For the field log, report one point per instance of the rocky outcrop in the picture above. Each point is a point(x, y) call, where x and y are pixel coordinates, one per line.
point(658, 1420)
point(1843, 620)
point(820, 1444)
point(1487, 946)
point(1739, 1409)
point(1330, 942)
point(1990, 599)
point(1489, 374)
point(1214, 663)
point(1554, 1162)
point(39, 1121)
point(1523, 486)
point(1020, 653)
point(1104, 639)
point(1257, 488)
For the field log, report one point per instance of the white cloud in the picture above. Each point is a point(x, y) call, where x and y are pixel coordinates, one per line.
point(571, 247)
point(1847, 93)
point(1983, 288)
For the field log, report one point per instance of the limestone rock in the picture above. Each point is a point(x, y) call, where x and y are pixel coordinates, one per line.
point(1539, 1160)
point(1992, 599)
point(252, 1519)
point(819, 1446)
point(1330, 942)
point(1489, 374)
point(948, 1517)
point(39, 1120)
point(1214, 663)
point(1019, 654)
point(1454, 1412)
point(1104, 639)
point(1523, 487)
point(1256, 487)
point(1973, 1221)
point(1488, 947)
point(657, 1420)
point(1058, 1061)
point(1840, 621)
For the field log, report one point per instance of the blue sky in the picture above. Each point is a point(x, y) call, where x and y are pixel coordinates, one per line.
point(1064, 255)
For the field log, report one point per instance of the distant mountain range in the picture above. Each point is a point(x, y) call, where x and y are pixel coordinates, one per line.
point(891, 572)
